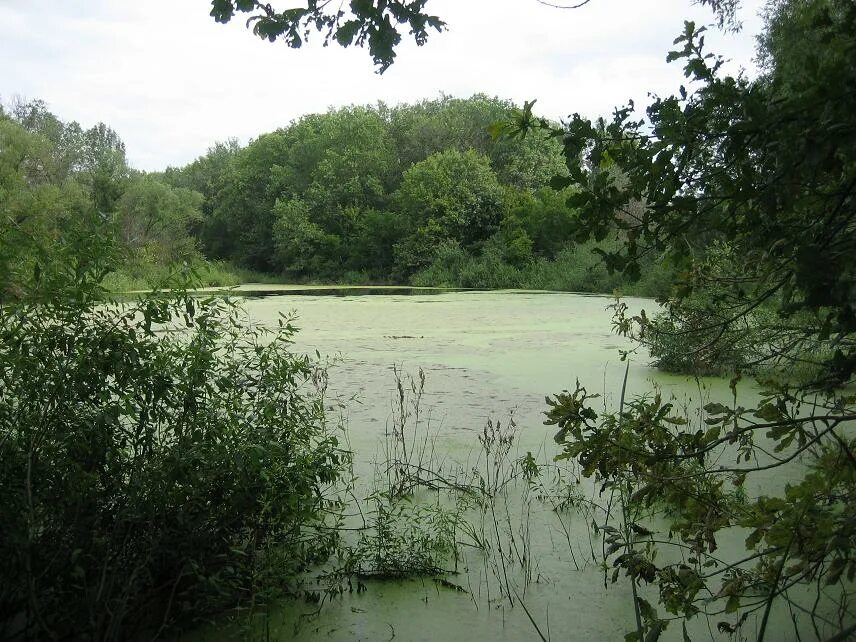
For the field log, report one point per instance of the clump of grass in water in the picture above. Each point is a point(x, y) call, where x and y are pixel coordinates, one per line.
point(424, 511)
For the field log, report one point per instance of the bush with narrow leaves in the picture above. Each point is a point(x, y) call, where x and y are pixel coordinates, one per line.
point(159, 460)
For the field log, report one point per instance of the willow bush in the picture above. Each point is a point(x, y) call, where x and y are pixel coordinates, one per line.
point(159, 460)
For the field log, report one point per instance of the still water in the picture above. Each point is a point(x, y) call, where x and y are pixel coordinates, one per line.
point(485, 355)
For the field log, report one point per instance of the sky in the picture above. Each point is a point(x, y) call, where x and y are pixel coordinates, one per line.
point(172, 82)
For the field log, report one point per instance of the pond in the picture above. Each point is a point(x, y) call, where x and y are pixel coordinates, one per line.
point(485, 356)
point(484, 353)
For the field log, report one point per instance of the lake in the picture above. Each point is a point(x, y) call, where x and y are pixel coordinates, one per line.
point(485, 356)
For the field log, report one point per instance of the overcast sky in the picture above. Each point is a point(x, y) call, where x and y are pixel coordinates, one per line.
point(171, 81)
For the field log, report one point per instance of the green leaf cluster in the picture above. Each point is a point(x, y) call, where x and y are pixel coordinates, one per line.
point(748, 188)
point(374, 24)
point(160, 459)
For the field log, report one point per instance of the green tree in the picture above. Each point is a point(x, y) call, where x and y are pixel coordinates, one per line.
point(95, 157)
point(159, 461)
point(452, 196)
point(205, 175)
point(768, 164)
point(374, 235)
point(240, 225)
point(302, 247)
point(356, 161)
point(547, 219)
point(102, 166)
point(344, 167)
point(65, 139)
point(356, 167)
point(34, 210)
point(154, 217)
point(432, 126)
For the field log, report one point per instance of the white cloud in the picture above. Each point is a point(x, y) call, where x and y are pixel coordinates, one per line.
point(171, 81)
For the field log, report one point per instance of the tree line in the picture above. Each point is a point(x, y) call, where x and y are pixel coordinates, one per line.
point(430, 194)
point(55, 174)
point(423, 193)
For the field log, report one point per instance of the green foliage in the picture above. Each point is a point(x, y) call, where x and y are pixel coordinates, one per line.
point(404, 538)
point(431, 126)
point(53, 173)
point(453, 266)
point(450, 196)
point(33, 210)
point(367, 23)
point(240, 224)
point(64, 140)
point(668, 470)
point(94, 157)
point(142, 273)
point(375, 234)
point(356, 164)
point(698, 334)
point(155, 218)
point(102, 166)
point(205, 175)
point(301, 244)
point(748, 188)
point(547, 219)
point(159, 460)
point(575, 269)
point(374, 191)
point(786, 171)
point(372, 23)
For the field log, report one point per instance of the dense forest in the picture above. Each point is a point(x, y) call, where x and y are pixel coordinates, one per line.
point(55, 174)
point(419, 194)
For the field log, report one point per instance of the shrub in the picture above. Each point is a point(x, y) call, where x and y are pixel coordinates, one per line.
point(158, 461)
point(689, 340)
point(701, 334)
point(574, 269)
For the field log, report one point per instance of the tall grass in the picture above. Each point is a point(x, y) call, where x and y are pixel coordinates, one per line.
point(574, 269)
point(135, 276)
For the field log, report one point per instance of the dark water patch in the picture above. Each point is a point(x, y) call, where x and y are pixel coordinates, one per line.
point(346, 292)
point(340, 292)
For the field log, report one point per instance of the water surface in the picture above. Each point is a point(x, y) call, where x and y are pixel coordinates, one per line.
point(486, 355)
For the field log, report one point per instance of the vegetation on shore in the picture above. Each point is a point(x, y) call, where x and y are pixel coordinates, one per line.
point(418, 194)
point(162, 459)
point(422, 194)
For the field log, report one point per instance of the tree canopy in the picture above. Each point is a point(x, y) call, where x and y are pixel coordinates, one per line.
point(370, 193)
point(375, 24)
point(53, 174)
point(748, 188)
